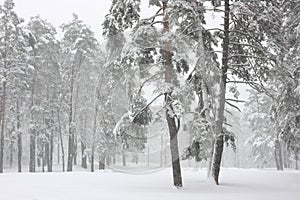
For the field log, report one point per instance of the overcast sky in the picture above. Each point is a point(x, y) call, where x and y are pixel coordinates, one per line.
point(57, 12)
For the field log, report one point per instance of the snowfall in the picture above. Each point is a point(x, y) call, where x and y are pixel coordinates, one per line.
point(111, 184)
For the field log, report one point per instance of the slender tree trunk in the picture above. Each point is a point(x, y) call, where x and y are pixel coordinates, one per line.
point(278, 155)
point(83, 146)
point(50, 161)
point(219, 143)
point(75, 133)
point(83, 156)
point(11, 155)
point(2, 120)
point(32, 151)
point(43, 158)
point(19, 140)
point(58, 151)
point(61, 141)
point(94, 130)
point(47, 151)
point(124, 158)
point(173, 129)
point(296, 159)
point(71, 124)
point(102, 162)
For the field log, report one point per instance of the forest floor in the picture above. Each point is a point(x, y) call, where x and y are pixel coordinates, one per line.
point(236, 184)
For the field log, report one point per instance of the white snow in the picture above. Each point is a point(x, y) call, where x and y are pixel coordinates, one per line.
point(236, 184)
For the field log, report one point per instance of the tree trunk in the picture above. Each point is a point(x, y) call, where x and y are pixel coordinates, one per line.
point(71, 131)
point(173, 129)
point(93, 158)
point(61, 141)
point(83, 156)
point(50, 161)
point(32, 151)
point(219, 143)
point(75, 133)
point(124, 159)
point(19, 139)
point(296, 159)
point(278, 155)
point(94, 131)
point(102, 162)
point(43, 158)
point(3, 120)
point(47, 151)
point(58, 150)
point(83, 146)
point(11, 155)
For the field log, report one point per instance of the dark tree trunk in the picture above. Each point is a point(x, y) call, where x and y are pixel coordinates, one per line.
point(50, 160)
point(75, 133)
point(83, 145)
point(173, 129)
point(19, 139)
point(219, 143)
point(83, 156)
point(94, 132)
point(58, 150)
point(32, 145)
point(2, 121)
point(47, 151)
point(124, 159)
point(71, 131)
point(278, 155)
point(11, 155)
point(43, 158)
point(102, 162)
point(296, 159)
point(61, 141)
point(93, 159)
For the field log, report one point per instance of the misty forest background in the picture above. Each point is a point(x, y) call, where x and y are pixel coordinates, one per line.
point(157, 91)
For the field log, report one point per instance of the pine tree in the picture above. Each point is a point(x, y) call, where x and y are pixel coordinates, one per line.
point(11, 49)
point(78, 45)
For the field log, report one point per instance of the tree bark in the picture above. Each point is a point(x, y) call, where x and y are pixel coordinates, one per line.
point(32, 151)
point(3, 119)
point(19, 140)
point(296, 159)
point(102, 162)
point(71, 131)
point(61, 141)
point(278, 155)
point(173, 129)
point(50, 159)
point(11, 156)
point(94, 131)
point(124, 159)
point(219, 143)
point(83, 156)
point(83, 145)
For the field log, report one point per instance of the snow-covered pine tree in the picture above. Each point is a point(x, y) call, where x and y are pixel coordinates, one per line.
point(78, 46)
point(44, 51)
point(12, 65)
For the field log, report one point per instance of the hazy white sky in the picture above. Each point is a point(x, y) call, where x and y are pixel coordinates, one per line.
point(92, 12)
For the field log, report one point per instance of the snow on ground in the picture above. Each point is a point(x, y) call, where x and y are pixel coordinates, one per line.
point(236, 184)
